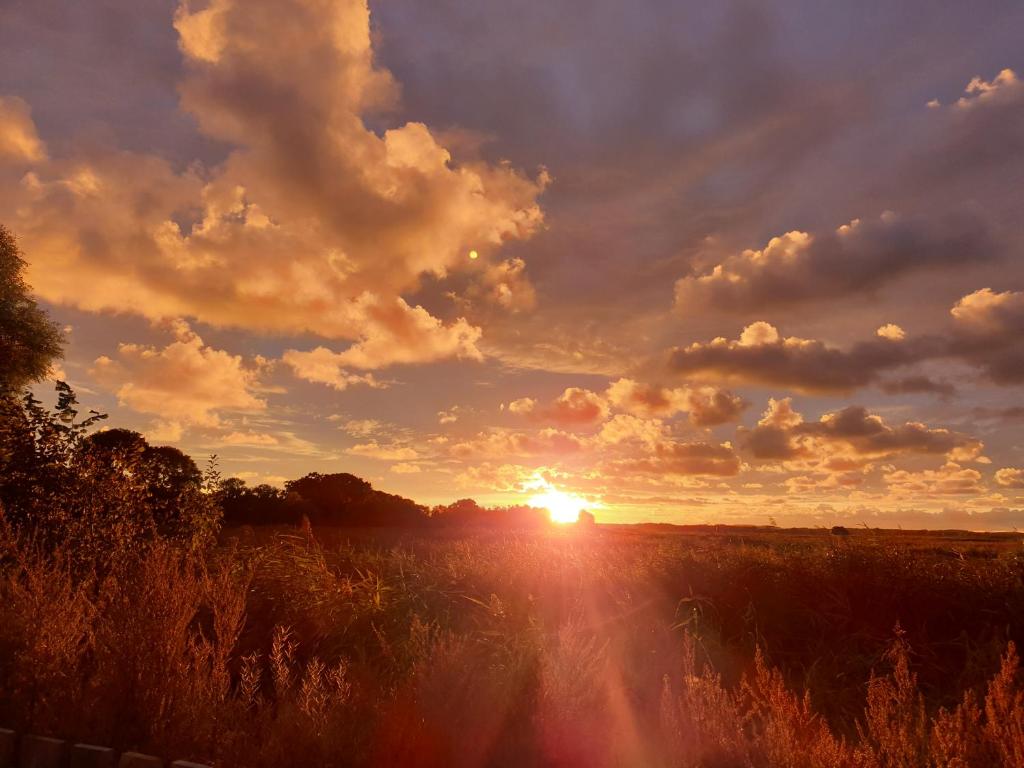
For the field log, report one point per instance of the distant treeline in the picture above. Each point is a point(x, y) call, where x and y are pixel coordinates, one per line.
point(342, 499)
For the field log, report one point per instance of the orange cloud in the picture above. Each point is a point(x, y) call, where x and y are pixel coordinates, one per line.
point(186, 383)
point(314, 223)
point(19, 142)
point(706, 405)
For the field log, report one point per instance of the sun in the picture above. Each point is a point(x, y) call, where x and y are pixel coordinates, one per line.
point(563, 507)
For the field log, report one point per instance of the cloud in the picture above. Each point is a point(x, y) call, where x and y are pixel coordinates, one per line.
point(19, 142)
point(849, 437)
point(989, 332)
point(1010, 477)
point(448, 417)
point(374, 450)
point(979, 136)
point(522, 406)
point(186, 383)
point(397, 334)
point(908, 385)
point(1005, 86)
point(951, 478)
point(892, 332)
point(685, 459)
point(575, 406)
point(856, 258)
point(405, 468)
point(501, 443)
point(706, 405)
point(624, 427)
point(313, 223)
point(505, 284)
point(363, 427)
point(320, 365)
point(763, 356)
point(869, 434)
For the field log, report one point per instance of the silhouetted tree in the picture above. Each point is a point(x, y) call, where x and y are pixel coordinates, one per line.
point(104, 492)
point(260, 505)
point(29, 340)
point(467, 513)
point(344, 499)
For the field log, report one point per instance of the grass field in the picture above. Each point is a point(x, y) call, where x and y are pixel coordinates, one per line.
point(631, 645)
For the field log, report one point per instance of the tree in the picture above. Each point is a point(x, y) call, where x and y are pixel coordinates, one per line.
point(344, 499)
point(261, 505)
point(106, 493)
point(29, 340)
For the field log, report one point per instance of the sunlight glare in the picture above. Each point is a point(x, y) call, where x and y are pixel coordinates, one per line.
point(474, 255)
point(563, 507)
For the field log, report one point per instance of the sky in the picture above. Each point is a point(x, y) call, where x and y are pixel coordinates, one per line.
point(726, 262)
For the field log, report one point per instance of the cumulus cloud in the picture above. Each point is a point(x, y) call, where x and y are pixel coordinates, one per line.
point(950, 478)
point(1005, 86)
point(576, 406)
point(706, 405)
point(763, 356)
point(624, 427)
point(891, 331)
point(869, 434)
point(314, 223)
point(856, 258)
point(1010, 477)
point(390, 335)
point(505, 284)
point(19, 142)
point(549, 442)
point(405, 468)
point(978, 135)
point(523, 405)
point(186, 383)
point(375, 450)
point(851, 433)
point(989, 328)
point(685, 458)
point(321, 366)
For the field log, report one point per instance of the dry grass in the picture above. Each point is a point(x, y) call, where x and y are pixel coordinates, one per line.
point(618, 649)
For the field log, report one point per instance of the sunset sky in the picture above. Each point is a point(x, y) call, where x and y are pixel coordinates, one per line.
point(696, 262)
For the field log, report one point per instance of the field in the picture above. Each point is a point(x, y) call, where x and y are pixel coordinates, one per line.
point(626, 646)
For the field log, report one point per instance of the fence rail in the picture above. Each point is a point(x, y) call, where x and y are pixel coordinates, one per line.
point(29, 751)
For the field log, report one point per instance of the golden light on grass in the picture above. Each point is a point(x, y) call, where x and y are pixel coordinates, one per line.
point(563, 507)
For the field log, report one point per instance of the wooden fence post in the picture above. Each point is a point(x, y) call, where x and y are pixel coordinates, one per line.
point(138, 760)
point(8, 741)
point(42, 752)
point(90, 756)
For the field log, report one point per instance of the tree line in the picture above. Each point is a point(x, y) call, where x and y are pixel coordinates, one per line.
point(106, 491)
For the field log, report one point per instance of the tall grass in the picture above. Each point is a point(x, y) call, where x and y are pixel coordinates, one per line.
point(534, 649)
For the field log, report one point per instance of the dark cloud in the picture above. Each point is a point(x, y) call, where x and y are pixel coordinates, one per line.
point(854, 432)
point(909, 385)
point(989, 332)
point(678, 458)
point(856, 258)
point(762, 356)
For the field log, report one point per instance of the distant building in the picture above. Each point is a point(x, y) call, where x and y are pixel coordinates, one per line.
point(585, 520)
point(840, 530)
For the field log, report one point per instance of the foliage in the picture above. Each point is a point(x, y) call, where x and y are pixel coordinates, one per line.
point(344, 499)
point(29, 341)
point(439, 647)
point(107, 492)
